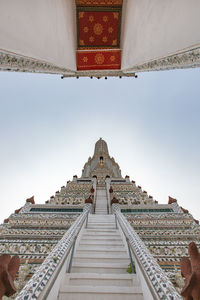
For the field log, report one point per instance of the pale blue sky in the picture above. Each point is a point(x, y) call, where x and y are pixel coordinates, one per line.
point(48, 128)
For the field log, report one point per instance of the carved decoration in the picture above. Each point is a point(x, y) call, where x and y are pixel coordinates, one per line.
point(37, 283)
point(8, 269)
point(184, 210)
point(114, 200)
point(186, 59)
point(190, 270)
point(171, 200)
point(31, 200)
point(14, 62)
point(17, 210)
point(89, 200)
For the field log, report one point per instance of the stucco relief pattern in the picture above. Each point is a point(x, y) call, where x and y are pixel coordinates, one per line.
point(42, 275)
point(166, 235)
point(187, 59)
point(161, 283)
point(12, 62)
point(74, 193)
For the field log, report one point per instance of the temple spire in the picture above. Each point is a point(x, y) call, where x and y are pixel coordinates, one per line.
point(101, 148)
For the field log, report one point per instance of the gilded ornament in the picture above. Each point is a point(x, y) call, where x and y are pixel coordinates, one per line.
point(114, 43)
point(116, 15)
point(98, 29)
point(99, 58)
point(105, 18)
point(110, 30)
point(105, 39)
point(91, 18)
point(81, 14)
point(81, 42)
point(112, 58)
point(85, 29)
point(91, 39)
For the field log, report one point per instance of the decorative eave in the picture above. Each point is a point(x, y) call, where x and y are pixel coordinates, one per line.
point(16, 63)
point(182, 60)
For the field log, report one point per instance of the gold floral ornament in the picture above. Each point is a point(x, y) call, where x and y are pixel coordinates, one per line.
point(85, 59)
point(110, 30)
point(85, 29)
point(105, 39)
point(112, 58)
point(116, 15)
point(105, 18)
point(99, 59)
point(91, 18)
point(81, 14)
point(91, 39)
point(114, 43)
point(98, 29)
point(81, 42)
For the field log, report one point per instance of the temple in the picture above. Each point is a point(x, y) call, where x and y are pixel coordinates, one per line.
point(101, 237)
point(98, 38)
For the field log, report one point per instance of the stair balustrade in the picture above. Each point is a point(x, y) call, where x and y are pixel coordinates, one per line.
point(47, 277)
point(157, 282)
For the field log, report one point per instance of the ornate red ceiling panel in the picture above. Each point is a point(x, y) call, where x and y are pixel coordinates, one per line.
point(98, 28)
point(98, 60)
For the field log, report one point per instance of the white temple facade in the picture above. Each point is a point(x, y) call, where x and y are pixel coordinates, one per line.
point(100, 236)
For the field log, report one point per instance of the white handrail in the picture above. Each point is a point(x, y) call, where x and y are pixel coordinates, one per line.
point(52, 264)
point(156, 279)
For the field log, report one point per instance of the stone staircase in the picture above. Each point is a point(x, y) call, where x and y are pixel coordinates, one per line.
point(99, 265)
point(101, 201)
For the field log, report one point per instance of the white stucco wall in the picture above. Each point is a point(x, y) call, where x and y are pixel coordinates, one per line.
point(155, 28)
point(41, 29)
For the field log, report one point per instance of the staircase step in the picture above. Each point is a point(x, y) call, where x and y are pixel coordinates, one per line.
point(101, 251)
point(102, 268)
point(107, 217)
point(102, 222)
point(92, 279)
point(81, 259)
point(102, 230)
point(102, 257)
point(100, 227)
point(101, 242)
point(98, 247)
point(101, 234)
point(102, 238)
point(100, 293)
point(105, 224)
